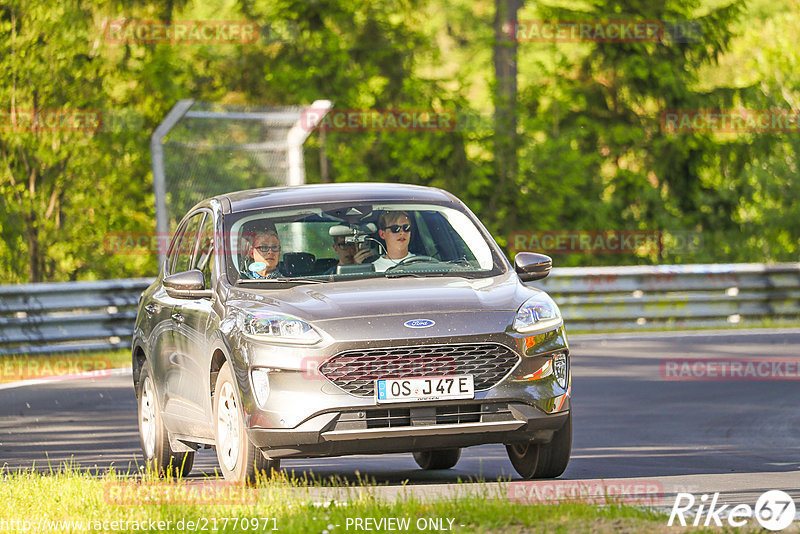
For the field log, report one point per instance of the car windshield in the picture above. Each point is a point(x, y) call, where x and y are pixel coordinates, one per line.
point(325, 243)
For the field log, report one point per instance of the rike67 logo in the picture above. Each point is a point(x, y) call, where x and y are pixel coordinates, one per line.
point(774, 510)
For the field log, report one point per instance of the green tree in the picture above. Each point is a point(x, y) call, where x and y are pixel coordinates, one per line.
point(46, 169)
point(598, 152)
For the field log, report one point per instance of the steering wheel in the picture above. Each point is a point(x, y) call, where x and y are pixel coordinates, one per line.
point(461, 262)
point(414, 259)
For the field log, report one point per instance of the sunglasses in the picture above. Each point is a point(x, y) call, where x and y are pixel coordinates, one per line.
point(395, 228)
point(263, 249)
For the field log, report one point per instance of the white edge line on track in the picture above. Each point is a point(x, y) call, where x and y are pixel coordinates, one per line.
point(62, 378)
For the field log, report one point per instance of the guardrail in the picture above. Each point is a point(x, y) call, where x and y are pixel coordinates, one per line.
point(68, 316)
point(674, 296)
point(85, 316)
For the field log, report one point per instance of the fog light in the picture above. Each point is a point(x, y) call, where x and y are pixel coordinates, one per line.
point(261, 385)
point(560, 369)
point(543, 372)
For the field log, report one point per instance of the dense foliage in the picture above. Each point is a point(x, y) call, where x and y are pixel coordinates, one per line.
point(591, 152)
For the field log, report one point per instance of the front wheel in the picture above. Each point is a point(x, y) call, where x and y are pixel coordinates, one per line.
point(158, 455)
point(441, 459)
point(238, 459)
point(543, 460)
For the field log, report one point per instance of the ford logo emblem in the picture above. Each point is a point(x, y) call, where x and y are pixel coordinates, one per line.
point(419, 323)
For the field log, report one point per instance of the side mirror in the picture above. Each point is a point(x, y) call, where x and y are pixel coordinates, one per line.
point(186, 285)
point(531, 266)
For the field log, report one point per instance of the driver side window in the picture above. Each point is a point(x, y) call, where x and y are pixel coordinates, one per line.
point(205, 251)
point(183, 248)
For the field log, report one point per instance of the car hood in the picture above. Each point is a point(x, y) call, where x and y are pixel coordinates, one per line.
point(380, 296)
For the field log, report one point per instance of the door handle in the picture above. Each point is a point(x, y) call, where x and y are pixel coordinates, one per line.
point(151, 309)
point(177, 317)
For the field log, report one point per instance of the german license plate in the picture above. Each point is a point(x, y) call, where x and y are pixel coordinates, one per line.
point(423, 389)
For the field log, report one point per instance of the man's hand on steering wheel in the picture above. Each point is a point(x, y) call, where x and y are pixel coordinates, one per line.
point(414, 259)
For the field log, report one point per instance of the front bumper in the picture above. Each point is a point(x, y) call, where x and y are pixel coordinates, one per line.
point(371, 431)
point(306, 415)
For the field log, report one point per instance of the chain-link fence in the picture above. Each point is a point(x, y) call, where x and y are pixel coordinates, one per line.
point(201, 150)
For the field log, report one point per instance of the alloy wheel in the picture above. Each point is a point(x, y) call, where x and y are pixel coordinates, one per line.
point(148, 418)
point(228, 427)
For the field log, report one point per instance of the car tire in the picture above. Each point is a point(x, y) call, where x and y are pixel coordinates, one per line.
point(439, 459)
point(239, 460)
point(543, 460)
point(154, 438)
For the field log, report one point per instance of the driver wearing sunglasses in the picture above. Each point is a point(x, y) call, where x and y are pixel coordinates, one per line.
point(264, 256)
point(394, 227)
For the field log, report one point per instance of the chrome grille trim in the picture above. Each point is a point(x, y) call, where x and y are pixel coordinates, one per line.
point(355, 371)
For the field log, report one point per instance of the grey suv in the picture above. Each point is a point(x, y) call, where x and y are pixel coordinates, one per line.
point(342, 319)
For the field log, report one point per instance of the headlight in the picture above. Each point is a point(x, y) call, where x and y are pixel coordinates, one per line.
point(277, 327)
point(539, 313)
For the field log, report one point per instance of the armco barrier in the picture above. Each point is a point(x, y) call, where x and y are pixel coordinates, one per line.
point(78, 316)
point(68, 316)
point(679, 296)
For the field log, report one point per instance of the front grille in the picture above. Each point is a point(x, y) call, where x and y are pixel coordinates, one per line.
point(391, 418)
point(423, 415)
point(355, 371)
point(457, 414)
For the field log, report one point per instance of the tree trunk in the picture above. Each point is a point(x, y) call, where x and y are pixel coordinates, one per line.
point(505, 112)
point(34, 256)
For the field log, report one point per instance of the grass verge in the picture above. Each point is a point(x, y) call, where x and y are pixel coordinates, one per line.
point(70, 501)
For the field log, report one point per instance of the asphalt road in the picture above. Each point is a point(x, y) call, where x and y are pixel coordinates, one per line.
point(740, 438)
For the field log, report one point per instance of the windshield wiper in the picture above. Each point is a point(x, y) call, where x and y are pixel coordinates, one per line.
point(403, 275)
point(436, 274)
point(427, 274)
point(247, 281)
